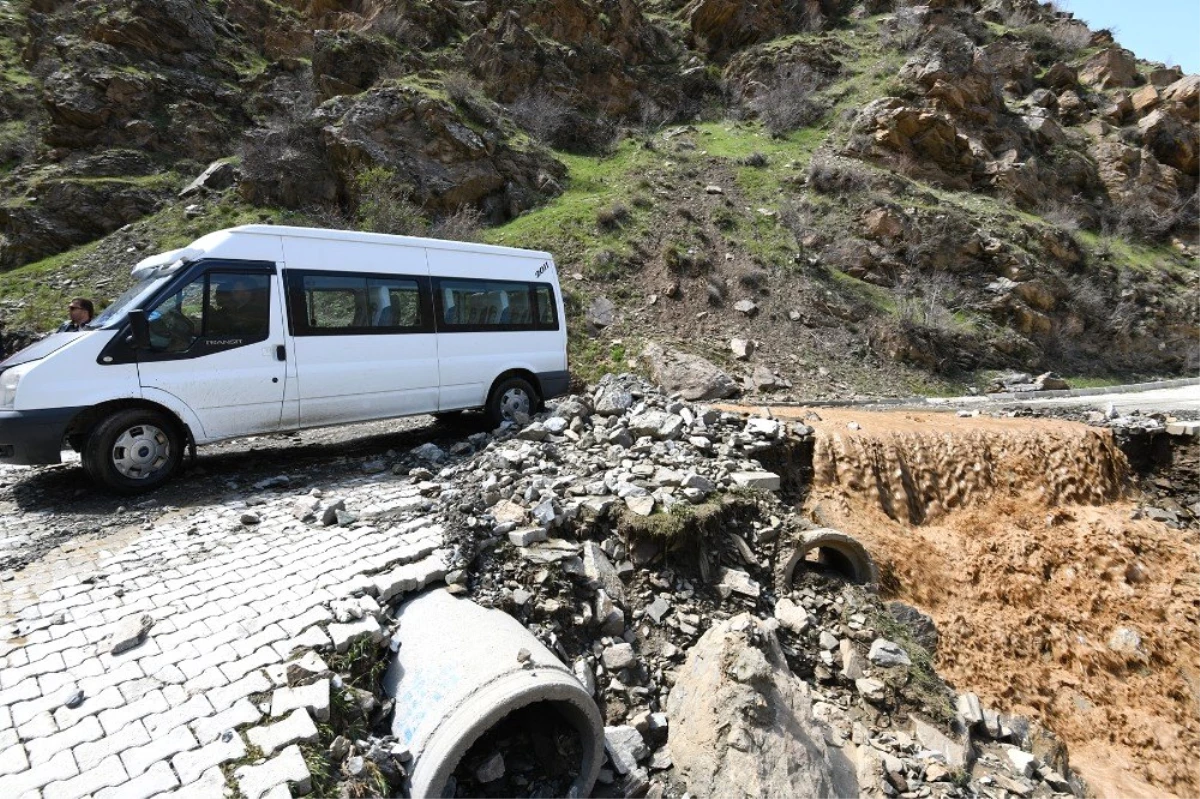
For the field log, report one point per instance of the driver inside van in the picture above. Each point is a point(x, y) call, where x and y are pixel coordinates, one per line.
point(240, 309)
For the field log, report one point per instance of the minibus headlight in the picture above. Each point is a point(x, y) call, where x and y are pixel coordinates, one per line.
point(8, 385)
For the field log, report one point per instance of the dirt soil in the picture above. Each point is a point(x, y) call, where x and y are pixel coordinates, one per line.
point(1052, 601)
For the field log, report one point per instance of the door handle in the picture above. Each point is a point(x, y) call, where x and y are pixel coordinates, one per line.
point(280, 353)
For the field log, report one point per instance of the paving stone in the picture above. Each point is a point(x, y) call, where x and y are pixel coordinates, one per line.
point(113, 720)
point(210, 785)
point(314, 698)
point(242, 712)
point(296, 728)
point(42, 749)
point(287, 767)
point(190, 765)
point(253, 683)
point(107, 699)
point(195, 708)
point(59, 767)
point(161, 747)
point(158, 779)
point(89, 755)
point(344, 635)
point(13, 758)
point(107, 773)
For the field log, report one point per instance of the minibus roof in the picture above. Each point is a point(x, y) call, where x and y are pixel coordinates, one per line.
point(383, 238)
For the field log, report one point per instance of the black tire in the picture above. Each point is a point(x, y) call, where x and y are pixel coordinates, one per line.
point(509, 397)
point(133, 451)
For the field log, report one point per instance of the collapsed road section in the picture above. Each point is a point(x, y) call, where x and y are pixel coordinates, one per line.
point(628, 595)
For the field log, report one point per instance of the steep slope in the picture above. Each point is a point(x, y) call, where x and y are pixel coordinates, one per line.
point(896, 198)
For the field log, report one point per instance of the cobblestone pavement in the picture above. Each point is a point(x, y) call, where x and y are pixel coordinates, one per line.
point(232, 592)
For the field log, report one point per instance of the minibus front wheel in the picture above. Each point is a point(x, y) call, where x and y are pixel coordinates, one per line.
point(133, 450)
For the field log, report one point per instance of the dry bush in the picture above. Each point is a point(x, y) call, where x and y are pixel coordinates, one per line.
point(1071, 36)
point(1062, 215)
point(755, 159)
point(790, 102)
point(283, 162)
point(798, 218)
point(553, 122)
point(1137, 215)
point(391, 23)
point(829, 176)
point(925, 299)
point(542, 114)
point(752, 277)
point(460, 87)
point(465, 224)
point(612, 216)
point(1088, 300)
point(383, 204)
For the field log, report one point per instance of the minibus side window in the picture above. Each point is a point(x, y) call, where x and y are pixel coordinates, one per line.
point(486, 305)
point(545, 307)
point(357, 304)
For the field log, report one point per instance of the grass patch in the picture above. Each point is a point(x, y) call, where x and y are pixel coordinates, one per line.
point(923, 687)
point(592, 358)
point(682, 521)
point(1138, 257)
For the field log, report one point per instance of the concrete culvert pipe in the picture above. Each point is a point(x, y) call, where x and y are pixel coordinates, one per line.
point(835, 551)
point(463, 670)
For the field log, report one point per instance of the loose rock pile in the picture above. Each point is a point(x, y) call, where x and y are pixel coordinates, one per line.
point(635, 535)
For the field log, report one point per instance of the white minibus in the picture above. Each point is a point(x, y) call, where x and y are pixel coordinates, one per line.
point(264, 329)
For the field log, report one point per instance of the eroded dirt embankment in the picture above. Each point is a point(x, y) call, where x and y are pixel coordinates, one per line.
point(1052, 601)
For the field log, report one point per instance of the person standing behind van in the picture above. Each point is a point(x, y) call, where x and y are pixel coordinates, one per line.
point(80, 312)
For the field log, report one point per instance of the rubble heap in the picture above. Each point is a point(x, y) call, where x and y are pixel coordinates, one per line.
point(632, 533)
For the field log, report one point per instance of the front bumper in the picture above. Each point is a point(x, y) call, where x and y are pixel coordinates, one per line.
point(28, 438)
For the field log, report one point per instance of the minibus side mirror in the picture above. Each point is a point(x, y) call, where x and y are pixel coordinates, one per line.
point(140, 329)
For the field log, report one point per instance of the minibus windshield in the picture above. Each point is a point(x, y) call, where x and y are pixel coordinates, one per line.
point(132, 298)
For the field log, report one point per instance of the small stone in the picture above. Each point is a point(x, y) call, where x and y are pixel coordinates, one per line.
point(250, 519)
point(791, 616)
point(887, 654)
point(619, 656)
point(74, 700)
point(1022, 762)
point(339, 747)
point(130, 632)
point(871, 689)
point(492, 769)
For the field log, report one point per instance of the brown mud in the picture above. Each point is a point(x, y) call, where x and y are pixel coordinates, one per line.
point(1052, 601)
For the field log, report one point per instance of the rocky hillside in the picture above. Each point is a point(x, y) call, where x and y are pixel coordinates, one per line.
point(868, 196)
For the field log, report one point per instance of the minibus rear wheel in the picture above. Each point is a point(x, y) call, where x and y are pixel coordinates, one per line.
point(133, 450)
point(510, 397)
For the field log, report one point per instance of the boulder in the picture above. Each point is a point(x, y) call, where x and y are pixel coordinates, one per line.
point(693, 377)
point(601, 313)
point(895, 129)
point(1113, 68)
point(740, 726)
point(1172, 142)
point(424, 139)
point(1184, 95)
